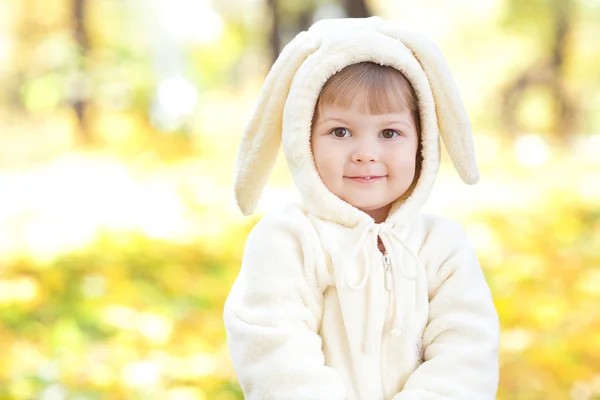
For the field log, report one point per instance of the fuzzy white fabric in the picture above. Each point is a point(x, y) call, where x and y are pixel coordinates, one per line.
point(309, 316)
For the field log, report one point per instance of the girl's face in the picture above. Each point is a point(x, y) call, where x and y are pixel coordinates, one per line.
point(366, 160)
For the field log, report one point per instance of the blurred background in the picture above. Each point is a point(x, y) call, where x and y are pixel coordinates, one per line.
point(119, 237)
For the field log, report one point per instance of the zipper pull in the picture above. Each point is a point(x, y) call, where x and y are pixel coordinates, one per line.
point(388, 272)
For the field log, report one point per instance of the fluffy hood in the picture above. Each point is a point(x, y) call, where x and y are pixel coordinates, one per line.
point(284, 112)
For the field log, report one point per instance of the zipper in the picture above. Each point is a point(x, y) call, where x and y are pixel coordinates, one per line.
point(387, 264)
point(388, 284)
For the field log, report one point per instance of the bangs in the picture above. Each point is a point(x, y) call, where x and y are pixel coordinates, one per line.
point(386, 89)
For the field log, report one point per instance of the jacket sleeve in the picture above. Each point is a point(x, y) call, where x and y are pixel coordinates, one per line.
point(272, 316)
point(461, 338)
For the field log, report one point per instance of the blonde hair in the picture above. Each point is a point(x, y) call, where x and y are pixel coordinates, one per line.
point(387, 89)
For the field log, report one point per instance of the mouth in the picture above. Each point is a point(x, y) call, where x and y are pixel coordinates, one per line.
point(366, 179)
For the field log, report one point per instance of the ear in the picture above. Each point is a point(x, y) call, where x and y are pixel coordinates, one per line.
point(453, 121)
point(262, 137)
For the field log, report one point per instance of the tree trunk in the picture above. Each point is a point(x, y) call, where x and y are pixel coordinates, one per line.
point(563, 108)
point(274, 37)
point(549, 74)
point(305, 19)
point(79, 100)
point(356, 9)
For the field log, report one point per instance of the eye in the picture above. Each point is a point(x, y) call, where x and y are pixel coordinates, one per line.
point(389, 134)
point(340, 132)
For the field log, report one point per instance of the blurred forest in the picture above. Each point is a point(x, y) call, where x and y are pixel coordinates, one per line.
point(119, 237)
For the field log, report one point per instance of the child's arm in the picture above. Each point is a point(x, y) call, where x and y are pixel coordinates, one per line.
point(272, 316)
point(461, 338)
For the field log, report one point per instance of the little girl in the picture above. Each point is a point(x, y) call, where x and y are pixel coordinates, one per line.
point(354, 295)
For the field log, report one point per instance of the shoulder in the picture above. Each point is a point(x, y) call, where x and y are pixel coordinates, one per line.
point(445, 244)
point(285, 242)
point(287, 221)
point(440, 230)
point(286, 229)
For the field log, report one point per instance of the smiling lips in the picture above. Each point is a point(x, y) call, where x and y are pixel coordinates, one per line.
point(366, 179)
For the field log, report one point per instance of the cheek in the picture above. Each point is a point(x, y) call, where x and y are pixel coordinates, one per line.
point(327, 157)
point(403, 160)
point(322, 162)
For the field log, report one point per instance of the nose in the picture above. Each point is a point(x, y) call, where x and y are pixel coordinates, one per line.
point(365, 152)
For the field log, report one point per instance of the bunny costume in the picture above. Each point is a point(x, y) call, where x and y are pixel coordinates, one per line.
point(317, 311)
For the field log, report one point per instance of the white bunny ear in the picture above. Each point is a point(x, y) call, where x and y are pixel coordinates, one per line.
point(453, 121)
point(262, 137)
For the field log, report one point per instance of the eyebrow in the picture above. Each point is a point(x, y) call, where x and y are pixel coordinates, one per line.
point(333, 119)
point(396, 122)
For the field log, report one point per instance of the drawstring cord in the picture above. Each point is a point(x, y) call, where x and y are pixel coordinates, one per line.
point(372, 256)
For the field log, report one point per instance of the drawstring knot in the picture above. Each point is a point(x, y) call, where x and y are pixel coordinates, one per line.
point(372, 256)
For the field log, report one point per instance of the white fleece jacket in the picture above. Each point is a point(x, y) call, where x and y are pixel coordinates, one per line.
point(317, 312)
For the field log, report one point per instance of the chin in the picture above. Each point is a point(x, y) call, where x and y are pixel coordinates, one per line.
point(366, 207)
point(364, 203)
